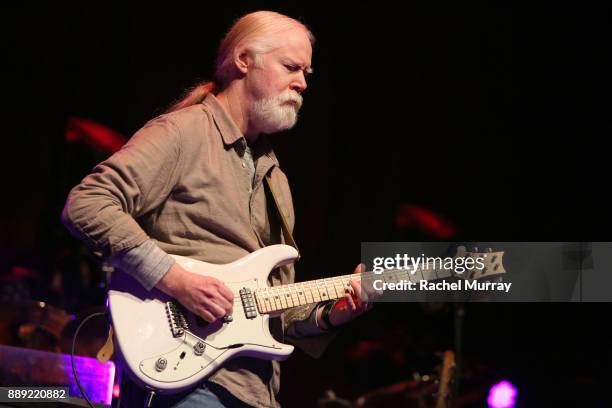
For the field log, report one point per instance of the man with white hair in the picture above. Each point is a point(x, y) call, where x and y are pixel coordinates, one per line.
point(190, 183)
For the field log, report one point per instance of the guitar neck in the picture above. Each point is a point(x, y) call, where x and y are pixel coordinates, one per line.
point(276, 298)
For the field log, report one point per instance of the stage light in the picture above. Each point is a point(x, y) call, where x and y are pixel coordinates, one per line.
point(116, 391)
point(502, 395)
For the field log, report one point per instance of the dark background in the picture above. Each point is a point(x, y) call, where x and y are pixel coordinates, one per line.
point(493, 116)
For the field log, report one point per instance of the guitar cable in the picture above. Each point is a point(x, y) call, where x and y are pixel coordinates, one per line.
point(74, 338)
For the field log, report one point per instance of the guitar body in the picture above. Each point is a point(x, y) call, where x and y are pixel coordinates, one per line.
point(167, 348)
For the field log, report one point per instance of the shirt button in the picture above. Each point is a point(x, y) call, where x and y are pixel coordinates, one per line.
point(243, 165)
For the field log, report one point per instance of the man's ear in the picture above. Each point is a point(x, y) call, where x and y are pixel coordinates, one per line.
point(242, 59)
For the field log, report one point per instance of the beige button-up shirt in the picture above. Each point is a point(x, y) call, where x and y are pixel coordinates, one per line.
point(182, 180)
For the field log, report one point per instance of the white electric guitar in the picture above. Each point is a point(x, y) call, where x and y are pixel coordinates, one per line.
point(167, 348)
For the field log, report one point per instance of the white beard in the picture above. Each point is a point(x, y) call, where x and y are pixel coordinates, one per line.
point(271, 115)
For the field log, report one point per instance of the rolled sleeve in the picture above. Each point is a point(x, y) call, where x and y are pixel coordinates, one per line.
point(147, 262)
point(101, 210)
point(302, 330)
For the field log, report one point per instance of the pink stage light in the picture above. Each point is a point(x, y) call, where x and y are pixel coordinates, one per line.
point(502, 395)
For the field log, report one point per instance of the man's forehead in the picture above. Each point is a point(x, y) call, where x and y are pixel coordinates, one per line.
point(296, 46)
point(293, 57)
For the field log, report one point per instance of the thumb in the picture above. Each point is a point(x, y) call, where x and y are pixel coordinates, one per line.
point(360, 268)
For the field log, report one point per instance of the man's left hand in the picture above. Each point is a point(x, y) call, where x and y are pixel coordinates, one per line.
point(355, 302)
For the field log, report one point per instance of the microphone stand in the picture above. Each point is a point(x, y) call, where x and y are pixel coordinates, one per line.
point(459, 315)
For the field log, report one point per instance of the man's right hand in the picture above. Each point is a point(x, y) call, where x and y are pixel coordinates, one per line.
point(205, 296)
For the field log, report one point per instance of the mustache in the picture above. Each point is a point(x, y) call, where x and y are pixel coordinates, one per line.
point(291, 96)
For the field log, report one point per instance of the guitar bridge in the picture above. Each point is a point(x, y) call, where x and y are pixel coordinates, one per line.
point(176, 319)
point(248, 303)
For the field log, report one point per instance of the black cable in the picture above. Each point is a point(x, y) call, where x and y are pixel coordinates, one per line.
point(76, 333)
point(459, 312)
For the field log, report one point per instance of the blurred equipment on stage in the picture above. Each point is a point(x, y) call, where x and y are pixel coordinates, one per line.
point(33, 324)
point(35, 344)
point(423, 391)
point(28, 367)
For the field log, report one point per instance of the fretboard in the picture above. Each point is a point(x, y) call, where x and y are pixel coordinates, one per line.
point(282, 297)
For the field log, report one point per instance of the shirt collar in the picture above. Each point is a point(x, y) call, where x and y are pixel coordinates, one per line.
point(263, 147)
point(224, 122)
point(230, 132)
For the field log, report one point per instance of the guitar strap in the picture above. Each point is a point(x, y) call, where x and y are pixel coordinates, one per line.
point(284, 225)
point(107, 350)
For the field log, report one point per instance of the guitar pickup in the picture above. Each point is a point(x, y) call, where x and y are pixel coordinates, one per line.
point(248, 303)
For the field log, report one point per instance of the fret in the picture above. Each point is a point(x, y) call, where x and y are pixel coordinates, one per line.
point(390, 276)
point(301, 295)
point(294, 297)
point(260, 302)
point(308, 293)
point(326, 291)
point(316, 295)
point(323, 290)
point(345, 281)
point(283, 301)
point(415, 277)
point(331, 290)
point(304, 292)
point(268, 298)
point(429, 274)
point(385, 277)
point(267, 302)
point(294, 300)
point(282, 297)
point(339, 288)
point(346, 285)
point(444, 273)
point(403, 275)
point(276, 299)
point(287, 297)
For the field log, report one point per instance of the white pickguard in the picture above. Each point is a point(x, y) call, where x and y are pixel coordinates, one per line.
point(144, 336)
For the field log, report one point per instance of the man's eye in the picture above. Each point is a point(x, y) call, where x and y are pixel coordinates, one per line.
point(292, 68)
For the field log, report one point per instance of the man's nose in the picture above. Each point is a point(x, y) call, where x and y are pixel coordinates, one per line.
point(299, 83)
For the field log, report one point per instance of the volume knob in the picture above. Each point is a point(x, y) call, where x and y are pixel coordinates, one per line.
point(199, 348)
point(161, 364)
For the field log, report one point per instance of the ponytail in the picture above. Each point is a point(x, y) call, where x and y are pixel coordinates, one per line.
point(194, 96)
